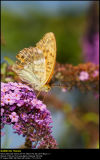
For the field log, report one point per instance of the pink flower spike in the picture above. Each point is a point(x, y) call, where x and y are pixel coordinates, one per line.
point(27, 114)
point(84, 76)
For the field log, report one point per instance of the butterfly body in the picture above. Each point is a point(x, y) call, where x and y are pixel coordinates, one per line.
point(36, 64)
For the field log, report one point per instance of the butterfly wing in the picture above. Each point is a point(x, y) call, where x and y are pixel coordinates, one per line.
point(31, 67)
point(48, 46)
point(36, 65)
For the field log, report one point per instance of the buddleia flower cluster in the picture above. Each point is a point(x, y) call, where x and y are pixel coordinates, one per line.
point(28, 115)
point(85, 77)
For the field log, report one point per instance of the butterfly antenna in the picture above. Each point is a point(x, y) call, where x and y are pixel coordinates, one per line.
point(59, 85)
point(38, 94)
point(46, 95)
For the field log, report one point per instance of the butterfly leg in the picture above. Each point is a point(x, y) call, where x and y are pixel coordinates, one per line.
point(38, 94)
point(44, 96)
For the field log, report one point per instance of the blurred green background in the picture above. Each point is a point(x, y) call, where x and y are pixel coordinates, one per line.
point(24, 23)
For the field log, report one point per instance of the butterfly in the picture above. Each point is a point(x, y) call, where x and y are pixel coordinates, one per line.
point(36, 64)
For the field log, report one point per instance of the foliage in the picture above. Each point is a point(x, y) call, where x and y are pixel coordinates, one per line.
point(26, 31)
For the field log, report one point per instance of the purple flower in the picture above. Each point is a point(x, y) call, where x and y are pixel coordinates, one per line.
point(96, 73)
point(9, 99)
point(5, 88)
point(96, 95)
point(20, 103)
point(43, 107)
point(48, 140)
point(24, 116)
point(83, 76)
point(64, 90)
point(2, 111)
point(14, 117)
point(91, 49)
point(16, 126)
point(2, 102)
point(34, 102)
point(16, 95)
point(12, 108)
point(29, 116)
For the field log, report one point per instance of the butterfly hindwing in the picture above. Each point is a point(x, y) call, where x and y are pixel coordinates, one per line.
point(31, 68)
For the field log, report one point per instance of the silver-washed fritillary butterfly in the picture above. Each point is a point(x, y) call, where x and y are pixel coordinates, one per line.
point(36, 64)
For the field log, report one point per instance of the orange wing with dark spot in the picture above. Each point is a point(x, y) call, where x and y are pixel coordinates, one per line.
point(48, 46)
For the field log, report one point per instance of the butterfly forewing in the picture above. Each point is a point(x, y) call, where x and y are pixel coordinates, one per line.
point(48, 46)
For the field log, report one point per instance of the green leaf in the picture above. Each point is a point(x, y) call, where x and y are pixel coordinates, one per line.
point(67, 108)
point(3, 68)
point(91, 117)
point(98, 145)
point(10, 61)
point(10, 74)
